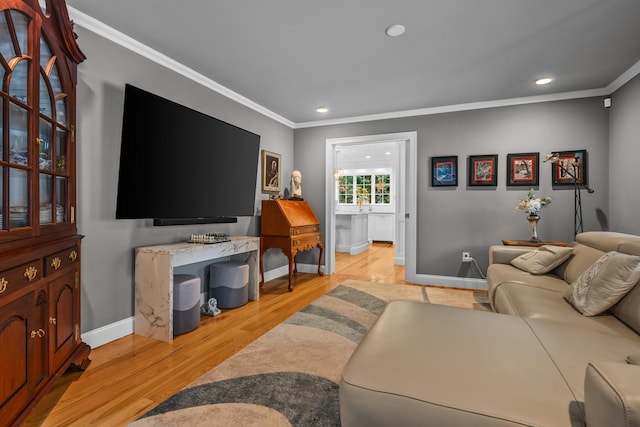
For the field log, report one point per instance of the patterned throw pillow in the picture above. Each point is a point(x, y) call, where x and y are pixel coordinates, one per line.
point(604, 283)
point(543, 259)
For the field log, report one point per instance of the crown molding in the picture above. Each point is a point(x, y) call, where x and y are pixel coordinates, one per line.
point(109, 33)
point(458, 107)
point(624, 78)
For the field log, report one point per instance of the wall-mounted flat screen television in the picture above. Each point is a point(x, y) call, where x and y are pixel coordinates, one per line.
point(180, 166)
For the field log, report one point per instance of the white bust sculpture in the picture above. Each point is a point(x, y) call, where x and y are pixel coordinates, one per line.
point(296, 187)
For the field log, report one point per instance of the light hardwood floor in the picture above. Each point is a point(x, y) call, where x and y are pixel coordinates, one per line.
point(128, 377)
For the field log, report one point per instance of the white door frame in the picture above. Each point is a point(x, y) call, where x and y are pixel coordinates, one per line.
point(407, 200)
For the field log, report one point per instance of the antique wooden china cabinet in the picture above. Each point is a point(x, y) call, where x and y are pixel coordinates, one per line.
point(39, 242)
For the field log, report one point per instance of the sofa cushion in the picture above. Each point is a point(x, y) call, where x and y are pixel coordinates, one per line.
point(627, 309)
point(604, 283)
point(533, 302)
point(425, 364)
point(500, 273)
point(581, 258)
point(543, 259)
point(606, 241)
point(572, 349)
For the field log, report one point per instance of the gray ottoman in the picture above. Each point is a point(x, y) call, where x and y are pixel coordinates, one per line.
point(229, 283)
point(186, 303)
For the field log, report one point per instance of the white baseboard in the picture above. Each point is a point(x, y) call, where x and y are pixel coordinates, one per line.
point(108, 333)
point(122, 328)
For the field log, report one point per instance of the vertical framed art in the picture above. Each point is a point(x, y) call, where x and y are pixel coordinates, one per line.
point(571, 165)
point(483, 170)
point(271, 171)
point(522, 169)
point(444, 171)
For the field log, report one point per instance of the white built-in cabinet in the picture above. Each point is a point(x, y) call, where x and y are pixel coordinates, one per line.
point(381, 227)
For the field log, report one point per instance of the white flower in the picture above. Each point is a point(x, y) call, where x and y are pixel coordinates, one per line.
point(532, 204)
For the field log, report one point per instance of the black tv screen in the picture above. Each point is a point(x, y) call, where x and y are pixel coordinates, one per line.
point(179, 164)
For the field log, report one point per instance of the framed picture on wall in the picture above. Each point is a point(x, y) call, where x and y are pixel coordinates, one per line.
point(271, 171)
point(444, 171)
point(522, 169)
point(483, 170)
point(570, 165)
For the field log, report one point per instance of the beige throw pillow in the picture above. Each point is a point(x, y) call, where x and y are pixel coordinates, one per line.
point(604, 283)
point(543, 259)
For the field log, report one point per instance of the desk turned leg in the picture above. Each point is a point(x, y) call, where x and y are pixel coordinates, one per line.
point(292, 260)
point(320, 259)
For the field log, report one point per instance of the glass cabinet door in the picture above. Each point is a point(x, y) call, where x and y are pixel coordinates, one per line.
point(16, 169)
point(34, 170)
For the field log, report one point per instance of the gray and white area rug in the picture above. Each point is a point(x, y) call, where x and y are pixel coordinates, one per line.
point(290, 375)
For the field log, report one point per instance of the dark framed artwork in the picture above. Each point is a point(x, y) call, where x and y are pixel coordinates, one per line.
point(523, 169)
point(483, 170)
point(570, 165)
point(444, 171)
point(271, 171)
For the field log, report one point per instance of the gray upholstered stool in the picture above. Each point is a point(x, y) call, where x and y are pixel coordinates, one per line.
point(229, 283)
point(186, 303)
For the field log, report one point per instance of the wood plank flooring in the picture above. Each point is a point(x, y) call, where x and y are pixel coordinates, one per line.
point(128, 377)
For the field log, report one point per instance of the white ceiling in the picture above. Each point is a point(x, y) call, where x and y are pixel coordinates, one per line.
point(291, 56)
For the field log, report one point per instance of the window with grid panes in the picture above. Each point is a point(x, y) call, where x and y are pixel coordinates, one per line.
point(345, 190)
point(383, 189)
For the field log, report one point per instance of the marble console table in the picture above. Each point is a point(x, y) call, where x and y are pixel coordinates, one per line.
point(154, 278)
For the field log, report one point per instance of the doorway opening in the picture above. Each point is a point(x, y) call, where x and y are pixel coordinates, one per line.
point(405, 192)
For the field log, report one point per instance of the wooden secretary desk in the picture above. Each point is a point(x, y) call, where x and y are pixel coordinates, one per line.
point(292, 226)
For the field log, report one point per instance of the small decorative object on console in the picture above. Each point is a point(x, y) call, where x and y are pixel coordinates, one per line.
point(296, 185)
point(209, 238)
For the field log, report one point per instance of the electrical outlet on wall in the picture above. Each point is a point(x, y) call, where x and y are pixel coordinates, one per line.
point(466, 257)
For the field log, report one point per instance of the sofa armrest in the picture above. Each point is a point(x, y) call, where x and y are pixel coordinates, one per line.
point(499, 254)
point(612, 395)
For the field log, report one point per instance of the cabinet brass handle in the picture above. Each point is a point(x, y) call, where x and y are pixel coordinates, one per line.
point(39, 333)
point(52, 320)
point(55, 263)
point(73, 255)
point(3, 285)
point(31, 273)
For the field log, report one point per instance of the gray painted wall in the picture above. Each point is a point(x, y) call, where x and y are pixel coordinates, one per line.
point(107, 255)
point(450, 220)
point(624, 172)
point(456, 219)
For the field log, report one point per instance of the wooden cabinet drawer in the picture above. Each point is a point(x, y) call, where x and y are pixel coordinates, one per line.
point(61, 260)
point(314, 228)
point(305, 242)
point(18, 277)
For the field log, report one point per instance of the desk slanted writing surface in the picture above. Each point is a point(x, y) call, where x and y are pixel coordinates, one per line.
point(291, 226)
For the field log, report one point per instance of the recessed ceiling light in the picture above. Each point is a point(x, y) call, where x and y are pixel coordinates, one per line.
point(322, 110)
point(395, 30)
point(388, 153)
point(367, 156)
point(544, 81)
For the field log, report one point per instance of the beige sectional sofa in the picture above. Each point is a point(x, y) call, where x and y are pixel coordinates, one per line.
point(537, 361)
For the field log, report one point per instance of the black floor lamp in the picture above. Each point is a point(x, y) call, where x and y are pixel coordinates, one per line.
point(578, 185)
